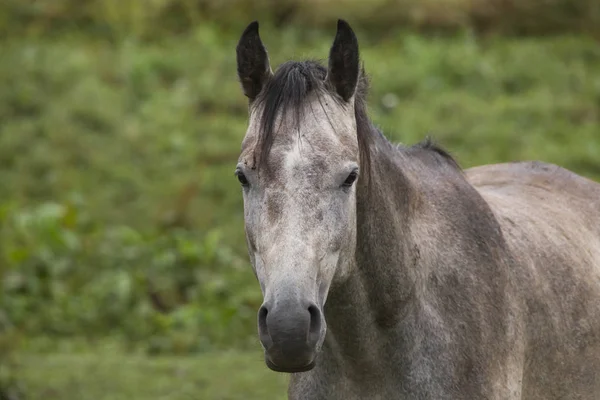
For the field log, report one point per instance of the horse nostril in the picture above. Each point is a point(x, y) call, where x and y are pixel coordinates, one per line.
point(315, 323)
point(262, 318)
point(263, 330)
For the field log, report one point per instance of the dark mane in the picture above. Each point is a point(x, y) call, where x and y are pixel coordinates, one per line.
point(287, 90)
point(429, 145)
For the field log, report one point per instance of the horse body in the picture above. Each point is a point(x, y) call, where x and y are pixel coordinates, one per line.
point(413, 279)
point(550, 219)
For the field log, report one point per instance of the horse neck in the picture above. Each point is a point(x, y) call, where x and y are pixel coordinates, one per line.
point(369, 302)
point(416, 201)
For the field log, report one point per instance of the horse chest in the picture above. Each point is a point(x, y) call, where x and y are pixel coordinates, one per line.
point(334, 394)
point(341, 388)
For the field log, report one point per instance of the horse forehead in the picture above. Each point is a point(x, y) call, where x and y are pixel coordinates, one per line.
point(299, 141)
point(321, 135)
point(309, 157)
point(329, 121)
point(312, 149)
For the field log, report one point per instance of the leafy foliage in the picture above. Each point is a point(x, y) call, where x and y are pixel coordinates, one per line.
point(178, 291)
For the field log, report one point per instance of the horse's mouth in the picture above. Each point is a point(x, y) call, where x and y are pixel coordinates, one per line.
point(289, 369)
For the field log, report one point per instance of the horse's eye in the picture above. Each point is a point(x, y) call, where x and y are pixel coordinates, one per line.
point(242, 178)
point(350, 179)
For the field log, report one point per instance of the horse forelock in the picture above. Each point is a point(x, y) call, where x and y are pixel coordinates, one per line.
point(285, 96)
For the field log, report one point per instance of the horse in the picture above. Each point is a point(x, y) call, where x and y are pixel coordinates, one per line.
point(388, 271)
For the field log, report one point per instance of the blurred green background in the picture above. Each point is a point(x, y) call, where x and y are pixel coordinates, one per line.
point(123, 267)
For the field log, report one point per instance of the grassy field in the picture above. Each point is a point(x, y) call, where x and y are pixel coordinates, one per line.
point(144, 19)
point(111, 375)
point(120, 215)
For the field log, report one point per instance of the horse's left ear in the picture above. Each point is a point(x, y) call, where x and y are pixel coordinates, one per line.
point(344, 69)
point(253, 66)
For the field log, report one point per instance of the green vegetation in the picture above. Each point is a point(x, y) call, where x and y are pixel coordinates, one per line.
point(120, 216)
point(110, 376)
point(155, 18)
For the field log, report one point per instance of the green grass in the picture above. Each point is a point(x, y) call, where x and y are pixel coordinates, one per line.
point(110, 375)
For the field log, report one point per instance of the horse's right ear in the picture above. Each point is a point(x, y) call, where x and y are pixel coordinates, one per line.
point(253, 66)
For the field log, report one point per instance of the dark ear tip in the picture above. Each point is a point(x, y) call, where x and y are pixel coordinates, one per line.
point(343, 25)
point(251, 28)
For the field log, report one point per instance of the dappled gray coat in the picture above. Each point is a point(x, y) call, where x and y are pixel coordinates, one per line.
point(390, 273)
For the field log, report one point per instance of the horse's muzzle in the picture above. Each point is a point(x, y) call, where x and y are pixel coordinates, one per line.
point(289, 331)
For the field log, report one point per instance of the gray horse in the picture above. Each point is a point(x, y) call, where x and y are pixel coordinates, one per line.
point(390, 273)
